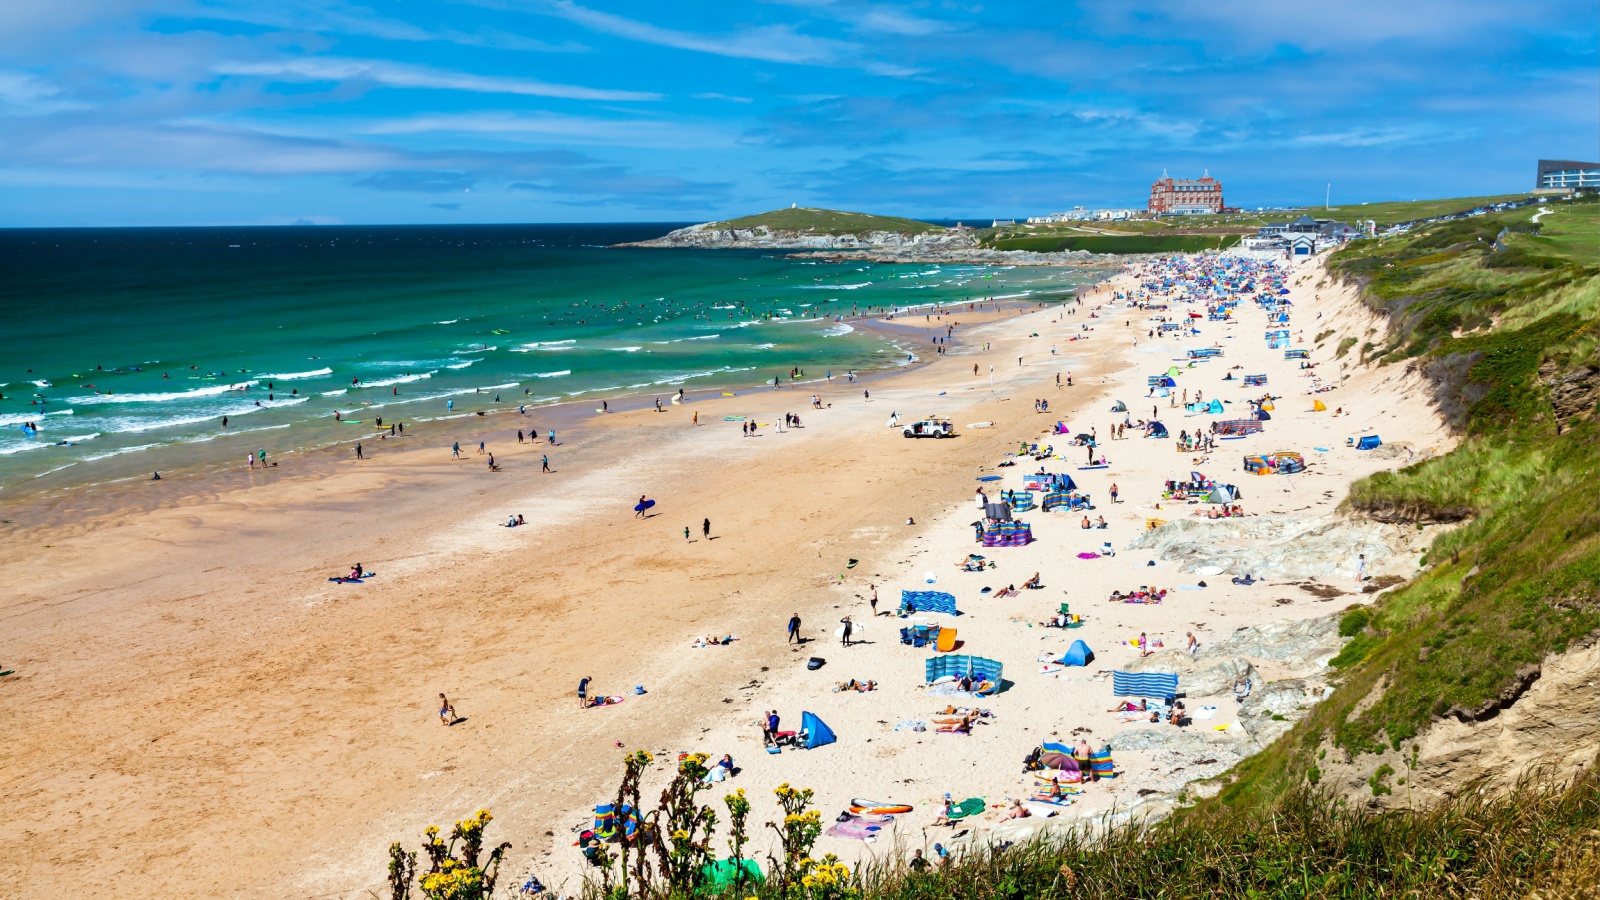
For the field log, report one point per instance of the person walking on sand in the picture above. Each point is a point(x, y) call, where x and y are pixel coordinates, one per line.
point(544, 462)
point(447, 711)
point(552, 437)
point(455, 450)
point(638, 511)
point(849, 628)
point(794, 629)
point(358, 452)
point(696, 417)
point(1361, 567)
point(1113, 492)
point(686, 534)
point(872, 599)
point(705, 529)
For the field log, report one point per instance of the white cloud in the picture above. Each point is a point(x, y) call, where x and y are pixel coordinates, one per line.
point(551, 127)
point(770, 43)
point(400, 75)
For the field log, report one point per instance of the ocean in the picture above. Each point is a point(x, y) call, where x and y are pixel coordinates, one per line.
point(127, 347)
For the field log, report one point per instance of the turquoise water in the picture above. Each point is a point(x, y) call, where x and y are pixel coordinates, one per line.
point(127, 347)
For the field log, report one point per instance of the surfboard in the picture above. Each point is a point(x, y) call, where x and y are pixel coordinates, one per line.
point(676, 401)
point(351, 421)
point(641, 507)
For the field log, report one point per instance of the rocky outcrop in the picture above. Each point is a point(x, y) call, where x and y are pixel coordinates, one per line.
point(715, 235)
point(1282, 547)
point(1551, 720)
point(1573, 393)
point(972, 257)
point(1198, 676)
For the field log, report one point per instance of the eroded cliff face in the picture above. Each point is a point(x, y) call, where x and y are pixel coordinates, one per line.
point(1551, 718)
point(710, 235)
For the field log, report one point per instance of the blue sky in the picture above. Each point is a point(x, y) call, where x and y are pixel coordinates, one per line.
point(140, 112)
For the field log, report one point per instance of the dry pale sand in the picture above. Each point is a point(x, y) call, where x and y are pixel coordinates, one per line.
point(199, 712)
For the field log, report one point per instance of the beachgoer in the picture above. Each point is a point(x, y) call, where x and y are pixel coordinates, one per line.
point(552, 437)
point(447, 711)
point(358, 452)
point(1361, 567)
point(686, 534)
point(1193, 646)
point(544, 462)
point(455, 450)
point(583, 691)
point(917, 863)
point(872, 599)
point(705, 528)
point(794, 628)
point(638, 511)
point(849, 627)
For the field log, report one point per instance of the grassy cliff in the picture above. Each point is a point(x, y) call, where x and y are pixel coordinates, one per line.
point(1502, 314)
point(830, 222)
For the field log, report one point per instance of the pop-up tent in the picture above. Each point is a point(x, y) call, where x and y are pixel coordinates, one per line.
point(1369, 442)
point(1223, 493)
point(1156, 430)
point(1318, 406)
point(1078, 654)
point(818, 733)
point(1173, 372)
point(1119, 406)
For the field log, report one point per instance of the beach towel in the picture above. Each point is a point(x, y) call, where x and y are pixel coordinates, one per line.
point(972, 806)
point(861, 828)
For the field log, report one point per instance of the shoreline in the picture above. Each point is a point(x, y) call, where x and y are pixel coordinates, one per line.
point(195, 667)
point(41, 502)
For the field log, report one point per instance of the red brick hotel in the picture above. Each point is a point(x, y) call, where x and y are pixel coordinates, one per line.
point(1185, 196)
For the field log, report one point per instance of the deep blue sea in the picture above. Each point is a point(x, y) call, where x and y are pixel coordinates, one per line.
point(131, 345)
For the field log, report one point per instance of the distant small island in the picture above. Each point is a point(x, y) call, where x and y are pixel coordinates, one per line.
point(842, 235)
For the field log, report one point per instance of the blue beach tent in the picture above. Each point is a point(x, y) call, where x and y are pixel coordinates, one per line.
point(817, 731)
point(1369, 442)
point(1078, 654)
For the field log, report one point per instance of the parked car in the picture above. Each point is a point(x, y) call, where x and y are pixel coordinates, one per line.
point(934, 428)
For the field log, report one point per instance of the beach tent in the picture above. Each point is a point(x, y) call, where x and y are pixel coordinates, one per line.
point(1223, 493)
point(930, 601)
point(1369, 442)
point(997, 511)
point(1261, 414)
point(1119, 406)
point(1215, 407)
point(727, 873)
point(1057, 756)
point(1166, 380)
point(1144, 684)
point(1078, 654)
point(1156, 430)
point(1318, 406)
point(818, 733)
point(1258, 465)
point(1173, 372)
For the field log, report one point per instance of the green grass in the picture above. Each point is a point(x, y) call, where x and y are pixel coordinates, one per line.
point(830, 221)
point(1186, 243)
point(1391, 212)
point(1537, 839)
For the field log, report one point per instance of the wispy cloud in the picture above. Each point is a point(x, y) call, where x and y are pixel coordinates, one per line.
point(401, 75)
point(771, 43)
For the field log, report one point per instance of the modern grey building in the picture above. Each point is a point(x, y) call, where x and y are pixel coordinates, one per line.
point(1567, 174)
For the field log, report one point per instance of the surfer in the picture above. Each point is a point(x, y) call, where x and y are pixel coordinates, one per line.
point(638, 510)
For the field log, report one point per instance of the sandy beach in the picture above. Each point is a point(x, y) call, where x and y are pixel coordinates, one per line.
point(199, 711)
